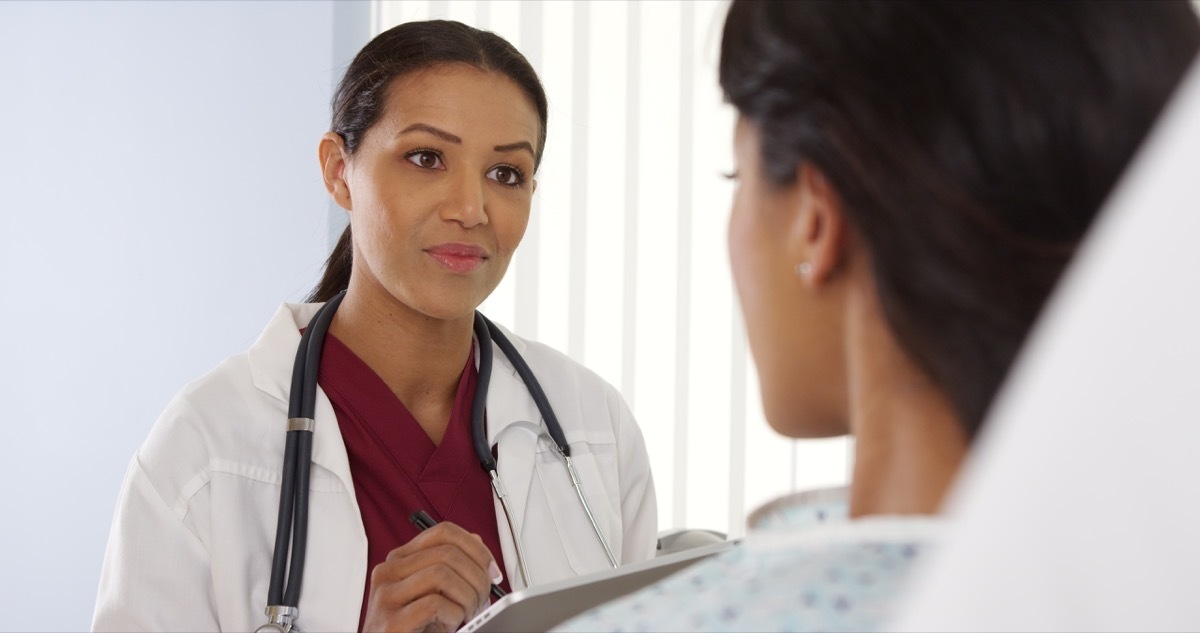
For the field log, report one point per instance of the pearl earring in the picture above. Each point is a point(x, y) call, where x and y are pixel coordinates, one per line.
point(804, 269)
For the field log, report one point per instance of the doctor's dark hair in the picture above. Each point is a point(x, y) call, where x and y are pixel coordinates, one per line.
point(361, 96)
point(970, 145)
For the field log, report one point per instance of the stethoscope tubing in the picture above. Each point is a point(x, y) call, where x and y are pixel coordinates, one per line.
point(531, 384)
point(487, 333)
point(297, 463)
point(479, 439)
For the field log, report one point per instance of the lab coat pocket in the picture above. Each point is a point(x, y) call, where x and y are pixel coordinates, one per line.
point(596, 464)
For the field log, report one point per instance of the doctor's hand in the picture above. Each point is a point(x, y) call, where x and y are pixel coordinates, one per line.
point(435, 582)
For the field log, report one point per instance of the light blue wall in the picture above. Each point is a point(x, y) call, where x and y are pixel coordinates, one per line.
point(160, 198)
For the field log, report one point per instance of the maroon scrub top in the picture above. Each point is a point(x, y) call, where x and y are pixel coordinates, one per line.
point(396, 468)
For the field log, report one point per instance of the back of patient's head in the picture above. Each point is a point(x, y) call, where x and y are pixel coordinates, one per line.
point(970, 145)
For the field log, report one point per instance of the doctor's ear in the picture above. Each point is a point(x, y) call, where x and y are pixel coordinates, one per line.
point(332, 154)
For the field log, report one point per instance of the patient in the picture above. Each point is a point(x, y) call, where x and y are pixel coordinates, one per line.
point(912, 179)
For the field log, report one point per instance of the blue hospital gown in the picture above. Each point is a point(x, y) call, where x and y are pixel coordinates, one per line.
point(802, 568)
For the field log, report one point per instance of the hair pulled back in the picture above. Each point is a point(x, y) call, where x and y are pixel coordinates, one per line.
point(361, 96)
point(971, 144)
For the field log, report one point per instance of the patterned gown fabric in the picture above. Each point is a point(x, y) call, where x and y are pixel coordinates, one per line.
point(803, 567)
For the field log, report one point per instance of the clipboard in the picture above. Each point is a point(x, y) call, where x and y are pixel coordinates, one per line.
point(542, 607)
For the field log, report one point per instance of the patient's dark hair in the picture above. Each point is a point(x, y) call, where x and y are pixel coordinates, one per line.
point(361, 96)
point(971, 144)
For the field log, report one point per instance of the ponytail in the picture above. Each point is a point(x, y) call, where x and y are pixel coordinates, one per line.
point(337, 271)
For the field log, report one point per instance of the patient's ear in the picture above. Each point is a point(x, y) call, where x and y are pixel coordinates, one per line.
point(818, 239)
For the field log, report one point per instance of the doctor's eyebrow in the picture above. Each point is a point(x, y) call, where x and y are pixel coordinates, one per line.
point(451, 138)
point(512, 147)
point(425, 127)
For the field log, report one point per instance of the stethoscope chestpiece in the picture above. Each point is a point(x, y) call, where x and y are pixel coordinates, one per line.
point(279, 620)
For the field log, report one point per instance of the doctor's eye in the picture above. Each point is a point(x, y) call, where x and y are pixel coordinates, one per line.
point(425, 159)
point(507, 175)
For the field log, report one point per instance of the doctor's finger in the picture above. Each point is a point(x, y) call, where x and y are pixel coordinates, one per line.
point(446, 565)
point(449, 534)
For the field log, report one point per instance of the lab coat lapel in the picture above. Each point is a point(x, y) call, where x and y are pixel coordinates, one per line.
point(508, 403)
point(329, 449)
point(271, 361)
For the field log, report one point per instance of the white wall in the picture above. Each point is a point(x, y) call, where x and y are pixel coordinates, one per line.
point(160, 198)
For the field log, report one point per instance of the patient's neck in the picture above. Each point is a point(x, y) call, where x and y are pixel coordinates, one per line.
point(904, 462)
point(908, 442)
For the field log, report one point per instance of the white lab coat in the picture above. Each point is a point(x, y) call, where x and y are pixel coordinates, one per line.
point(191, 543)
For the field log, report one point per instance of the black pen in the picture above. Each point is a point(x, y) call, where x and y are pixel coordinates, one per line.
point(423, 522)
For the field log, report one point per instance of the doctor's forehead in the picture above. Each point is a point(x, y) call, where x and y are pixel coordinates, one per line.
point(461, 100)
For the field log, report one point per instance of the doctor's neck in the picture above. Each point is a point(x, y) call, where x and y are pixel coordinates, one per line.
point(419, 358)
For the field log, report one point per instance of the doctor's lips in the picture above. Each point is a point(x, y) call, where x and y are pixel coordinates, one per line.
point(460, 258)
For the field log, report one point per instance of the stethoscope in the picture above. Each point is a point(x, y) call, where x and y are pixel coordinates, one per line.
point(292, 529)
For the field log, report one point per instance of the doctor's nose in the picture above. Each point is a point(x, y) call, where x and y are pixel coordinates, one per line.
point(465, 203)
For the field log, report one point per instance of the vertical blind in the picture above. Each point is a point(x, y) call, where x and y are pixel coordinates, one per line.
point(624, 265)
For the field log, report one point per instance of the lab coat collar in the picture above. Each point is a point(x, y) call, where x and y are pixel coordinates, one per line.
point(273, 354)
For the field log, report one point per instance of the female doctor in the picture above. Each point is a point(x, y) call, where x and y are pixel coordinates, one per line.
point(437, 132)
